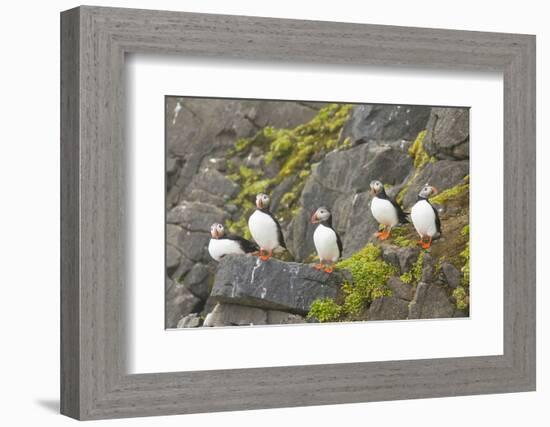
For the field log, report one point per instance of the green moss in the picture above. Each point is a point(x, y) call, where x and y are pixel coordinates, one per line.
point(461, 298)
point(294, 151)
point(415, 274)
point(401, 237)
point(370, 274)
point(451, 193)
point(325, 310)
point(465, 230)
point(465, 255)
point(417, 151)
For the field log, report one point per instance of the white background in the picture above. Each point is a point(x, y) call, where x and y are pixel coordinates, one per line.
point(29, 233)
point(154, 350)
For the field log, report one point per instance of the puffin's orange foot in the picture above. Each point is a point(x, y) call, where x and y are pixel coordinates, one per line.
point(318, 266)
point(329, 269)
point(378, 233)
point(384, 235)
point(426, 245)
point(266, 255)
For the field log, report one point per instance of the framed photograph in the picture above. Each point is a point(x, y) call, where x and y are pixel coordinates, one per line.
point(282, 213)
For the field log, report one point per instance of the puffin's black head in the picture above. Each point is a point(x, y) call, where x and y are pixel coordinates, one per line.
point(427, 191)
point(322, 214)
point(217, 231)
point(376, 187)
point(262, 201)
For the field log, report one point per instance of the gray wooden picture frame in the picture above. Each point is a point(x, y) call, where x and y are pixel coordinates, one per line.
point(94, 382)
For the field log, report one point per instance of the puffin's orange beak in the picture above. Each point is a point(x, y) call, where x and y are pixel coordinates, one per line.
point(214, 234)
point(314, 219)
point(259, 204)
point(434, 191)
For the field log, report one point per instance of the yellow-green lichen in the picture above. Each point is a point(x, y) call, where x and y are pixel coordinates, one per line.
point(325, 310)
point(370, 274)
point(400, 236)
point(414, 275)
point(465, 255)
point(461, 298)
point(452, 193)
point(293, 150)
point(417, 151)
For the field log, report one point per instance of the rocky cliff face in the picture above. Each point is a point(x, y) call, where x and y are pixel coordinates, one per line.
point(221, 153)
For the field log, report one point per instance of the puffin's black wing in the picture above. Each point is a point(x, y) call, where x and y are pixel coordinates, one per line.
point(437, 220)
point(247, 245)
point(401, 215)
point(279, 230)
point(339, 243)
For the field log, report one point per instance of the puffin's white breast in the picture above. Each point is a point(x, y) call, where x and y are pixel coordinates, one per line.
point(384, 212)
point(217, 248)
point(264, 230)
point(423, 218)
point(326, 243)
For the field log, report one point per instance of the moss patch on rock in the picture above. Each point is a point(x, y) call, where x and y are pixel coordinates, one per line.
point(370, 274)
point(417, 151)
point(325, 310)
point(452, 193)
point(414, 275)
point(292, 152)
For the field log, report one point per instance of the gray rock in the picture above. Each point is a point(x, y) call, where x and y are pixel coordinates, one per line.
point(275, 317)
point(461, 313)
point(430, 302)
point(195, 216)
point(352, 170)
point(388, 308)
point(172, 233)
point(173, 257)
point(214, 182)
point(451, 275)
point(448, 133)
point(197, 280)
point(171, 165)
point(402, 258)
point(400, 289)
point(279, 191)
point(361, 225)
point(220, 164)
point(235, 315)
point(273, 284)
point(443, 174)
point(184, 267)
point(379, 123)
point(201, 196)
point(428, 268)
point(207, 128)
point(192, 320)
point(194, 246)
point(179, 303)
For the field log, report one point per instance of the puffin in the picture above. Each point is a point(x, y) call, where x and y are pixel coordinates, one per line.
point(425, 217)
point(386, 211)
point(327, 241)
point(265, 229)
point(222, 244)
